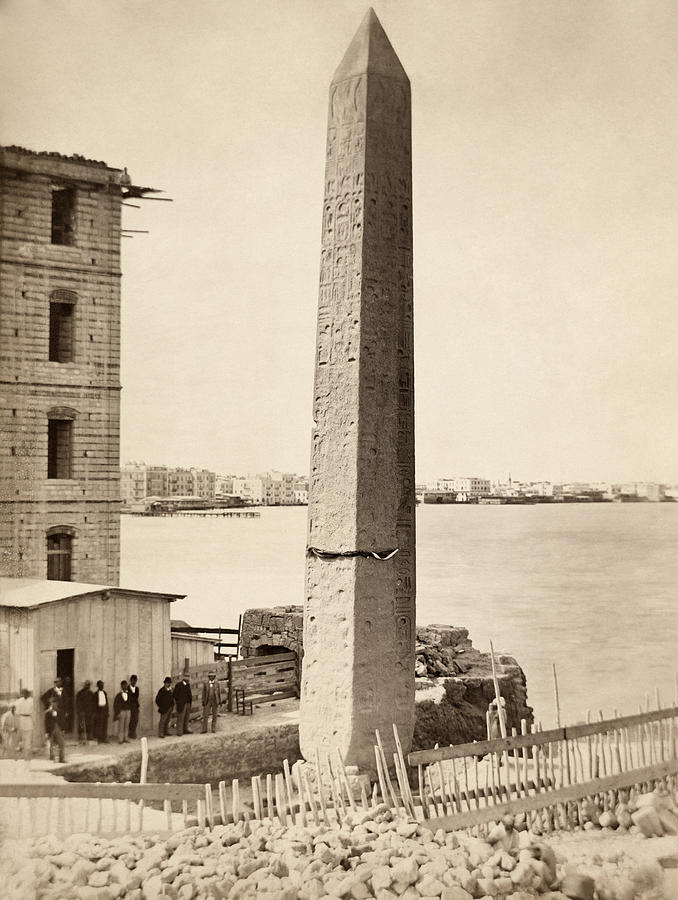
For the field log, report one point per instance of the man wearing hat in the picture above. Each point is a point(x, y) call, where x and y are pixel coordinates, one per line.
point(183, 698)
point(164, 700)
point(54, 719)
point(84, 707)
point(211, 698)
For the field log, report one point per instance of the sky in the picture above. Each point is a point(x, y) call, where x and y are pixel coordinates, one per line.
point(545, 198)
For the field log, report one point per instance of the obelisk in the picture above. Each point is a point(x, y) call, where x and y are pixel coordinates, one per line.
point(359, 610)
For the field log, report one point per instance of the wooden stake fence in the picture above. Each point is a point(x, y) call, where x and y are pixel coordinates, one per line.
point(547, 775)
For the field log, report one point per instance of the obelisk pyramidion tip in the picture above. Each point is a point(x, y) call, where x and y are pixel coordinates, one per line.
point(370, 52)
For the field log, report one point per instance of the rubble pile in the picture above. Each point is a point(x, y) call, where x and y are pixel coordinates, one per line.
point(372, 854)
point(455, 687)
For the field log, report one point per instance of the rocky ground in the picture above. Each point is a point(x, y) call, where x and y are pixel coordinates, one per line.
point(370, 855)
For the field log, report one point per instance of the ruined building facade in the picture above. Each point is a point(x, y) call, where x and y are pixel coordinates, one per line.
point(60, 221)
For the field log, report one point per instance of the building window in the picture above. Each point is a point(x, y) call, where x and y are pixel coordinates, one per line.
point(59, 552)
point(62, 325)
point(63, 215)
point(60, 332)
point(59, 447)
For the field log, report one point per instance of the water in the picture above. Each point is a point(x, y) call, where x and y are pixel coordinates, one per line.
point(589, 587)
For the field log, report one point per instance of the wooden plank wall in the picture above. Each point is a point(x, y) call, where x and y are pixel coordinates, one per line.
point(196, 649)
point(16, 652)
point(114, 636)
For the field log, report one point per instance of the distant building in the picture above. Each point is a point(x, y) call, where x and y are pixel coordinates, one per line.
point(204, 483)
point(470, 487)
point(278, 488)
point(223, 485)
point(133, 484)
point(157, 481)
point(250, 489)
point(301, 491)
point(60, 228)
point(643, 490)
point(179, 483)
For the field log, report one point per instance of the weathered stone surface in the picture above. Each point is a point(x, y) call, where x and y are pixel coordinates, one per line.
point(84, 388)
point(359, 610)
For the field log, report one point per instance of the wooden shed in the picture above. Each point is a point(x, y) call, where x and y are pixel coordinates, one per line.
point(195, 648)
point(78, 632)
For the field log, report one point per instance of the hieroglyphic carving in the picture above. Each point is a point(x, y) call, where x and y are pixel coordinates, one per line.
point(361, 494)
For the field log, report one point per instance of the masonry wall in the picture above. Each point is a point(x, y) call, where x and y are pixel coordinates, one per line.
point(85, 389)
point(279, 626)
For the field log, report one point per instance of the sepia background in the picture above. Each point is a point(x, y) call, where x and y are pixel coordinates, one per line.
point(545, 196)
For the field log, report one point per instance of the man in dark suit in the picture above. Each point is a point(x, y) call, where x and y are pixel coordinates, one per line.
point(53, 701)
point(211, 698)
point(101, 714)
point(133, 689)
point(84, 707)
point(122, 708)
point(182, 700)
point(164, 700)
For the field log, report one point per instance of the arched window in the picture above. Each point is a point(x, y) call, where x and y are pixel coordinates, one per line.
point(61, 325)
point(59, 552)
point(60, 442)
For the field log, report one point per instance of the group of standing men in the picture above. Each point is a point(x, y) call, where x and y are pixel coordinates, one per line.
point(180, 699)
point(16, 726)
point(93, 711)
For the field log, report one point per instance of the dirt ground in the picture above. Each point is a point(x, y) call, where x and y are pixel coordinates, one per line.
point(280, 712)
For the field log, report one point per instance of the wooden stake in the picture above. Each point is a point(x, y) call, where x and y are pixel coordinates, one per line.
point(321, 787)
point(526, 777)
point(466, 786)
point(143, 773)
point(290, 790)
point(302, 803)
point(516, 763)
point(456, 807)
point(337, 792)
point(280, 799)
point(309, 796)
point(387, 777)
point(403, 791)
point(269, 796)
point(235, 800)
point(500, 708)
point(403, 765)
point(167, 806)
point(555, 691)
point(344, 778)
point(256, 797)
point(422, 794)
point(222, 801)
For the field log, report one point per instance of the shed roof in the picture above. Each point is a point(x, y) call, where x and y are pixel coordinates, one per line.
point(26, 593)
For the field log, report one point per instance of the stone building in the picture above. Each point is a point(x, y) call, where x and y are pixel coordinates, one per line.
point(60, 230)
point(132, 484)
point(157, 481)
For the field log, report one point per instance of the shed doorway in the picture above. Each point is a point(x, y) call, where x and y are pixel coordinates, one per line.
point(64, 671)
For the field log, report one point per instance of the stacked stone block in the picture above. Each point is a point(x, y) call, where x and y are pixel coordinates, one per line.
point(281, 626)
